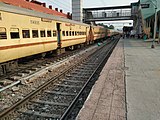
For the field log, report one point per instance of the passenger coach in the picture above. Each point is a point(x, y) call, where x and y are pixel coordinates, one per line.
point(25, 32)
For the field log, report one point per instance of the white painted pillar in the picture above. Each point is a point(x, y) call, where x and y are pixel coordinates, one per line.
point(159, 32)
point(77, 14)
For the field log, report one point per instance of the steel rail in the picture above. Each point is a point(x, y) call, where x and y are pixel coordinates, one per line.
point(59, 57)
point(4, 114)
point(69, 109)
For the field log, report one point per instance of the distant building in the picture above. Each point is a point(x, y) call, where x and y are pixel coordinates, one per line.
point(146, 17)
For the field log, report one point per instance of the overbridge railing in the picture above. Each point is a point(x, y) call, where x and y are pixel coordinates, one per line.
point(111, 14)
point(107, 13)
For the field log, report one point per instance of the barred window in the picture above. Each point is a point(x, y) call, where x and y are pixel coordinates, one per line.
point(54, 33)
point(73, 33)
point(35, 33)
point(80, 33)
point(42, 33)
point(66, 33)
point(49, 33)
point(63, 33)
point(25, 34)
point(14, 32)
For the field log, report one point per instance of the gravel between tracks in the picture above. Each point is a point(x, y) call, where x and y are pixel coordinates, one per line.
point(16, 93)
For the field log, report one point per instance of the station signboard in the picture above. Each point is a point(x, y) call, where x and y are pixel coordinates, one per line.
point(145, 6)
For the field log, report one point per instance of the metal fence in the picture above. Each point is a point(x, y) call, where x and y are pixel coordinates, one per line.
point(111, 14)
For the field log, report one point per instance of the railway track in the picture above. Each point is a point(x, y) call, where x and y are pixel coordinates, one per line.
point(56, 98)
point(23, 86)
point(28, 68)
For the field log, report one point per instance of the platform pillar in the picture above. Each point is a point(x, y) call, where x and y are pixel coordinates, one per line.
point(159, 34)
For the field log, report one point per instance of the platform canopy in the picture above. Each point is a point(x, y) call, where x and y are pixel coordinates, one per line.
point(148, 12)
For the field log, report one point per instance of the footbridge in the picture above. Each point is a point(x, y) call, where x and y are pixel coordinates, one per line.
point(107, 13)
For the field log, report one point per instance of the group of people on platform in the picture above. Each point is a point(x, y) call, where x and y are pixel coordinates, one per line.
point(144, 36)
point(132, 34)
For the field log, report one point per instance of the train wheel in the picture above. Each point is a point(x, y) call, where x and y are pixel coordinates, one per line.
point(71, 47)
point(79, 46)
point(3, 70)
point(8, 67)
point(43, 55)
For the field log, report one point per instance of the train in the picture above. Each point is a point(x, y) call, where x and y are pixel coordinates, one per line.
point(26, 32)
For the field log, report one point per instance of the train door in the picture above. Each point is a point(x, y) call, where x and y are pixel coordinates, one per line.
point(87, 34)
point(58, 34)
point(91, 35)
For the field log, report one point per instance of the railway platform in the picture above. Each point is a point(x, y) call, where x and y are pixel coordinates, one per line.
point(128, 86)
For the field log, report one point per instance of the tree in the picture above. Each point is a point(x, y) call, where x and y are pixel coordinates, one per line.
point(101, 24)
point(106, 26)
point(111, 27)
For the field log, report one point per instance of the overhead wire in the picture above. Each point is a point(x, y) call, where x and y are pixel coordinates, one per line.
point(67, 5)
point(61, 6)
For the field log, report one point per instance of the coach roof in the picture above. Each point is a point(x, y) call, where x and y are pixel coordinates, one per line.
point(23, 11)
point(33, 6)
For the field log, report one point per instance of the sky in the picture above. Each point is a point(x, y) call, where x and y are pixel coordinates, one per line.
point(65, 5)
point(103, 3)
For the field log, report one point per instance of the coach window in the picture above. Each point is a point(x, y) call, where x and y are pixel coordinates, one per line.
point(63, 33)
point(42, 33)
point(3, 34)
point(70, 33)
point(48, 33)
point(66, 33)
point(73, 33)
point(35, 33)
point(14, 32)
point(80, 33)
point(25, 34)
point(54, 33)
